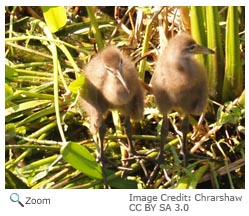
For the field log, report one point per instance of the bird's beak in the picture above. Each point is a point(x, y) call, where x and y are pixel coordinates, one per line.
point(121, 79)
point(203, 50)
point(117, 74)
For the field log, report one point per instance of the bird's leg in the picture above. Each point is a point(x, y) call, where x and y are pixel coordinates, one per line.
point(160, 158)
point(185, 130)
point(102, 131)
point(128, 131)
point(164, 134)
point(185, 152)
point(131, 150)
point(101, 156)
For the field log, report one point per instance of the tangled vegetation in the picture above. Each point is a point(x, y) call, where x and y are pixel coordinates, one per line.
point(48, 144)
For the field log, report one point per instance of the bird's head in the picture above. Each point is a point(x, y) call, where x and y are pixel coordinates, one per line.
point(186, 45)
point(113, 63)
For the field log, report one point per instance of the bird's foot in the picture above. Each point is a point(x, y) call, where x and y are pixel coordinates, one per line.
point(159, 161)
point(134, 155)
point(137, 155)
point(102, 161)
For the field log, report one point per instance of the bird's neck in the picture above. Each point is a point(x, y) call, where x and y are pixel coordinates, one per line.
point(181, 62)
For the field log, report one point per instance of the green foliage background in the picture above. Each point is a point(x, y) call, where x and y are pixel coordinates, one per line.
point(47, 141)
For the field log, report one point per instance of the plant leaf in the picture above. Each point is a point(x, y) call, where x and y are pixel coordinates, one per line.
point(10, 73)
point(55, 17)
point(77, 84)
point(80, 158)
point(191, 180)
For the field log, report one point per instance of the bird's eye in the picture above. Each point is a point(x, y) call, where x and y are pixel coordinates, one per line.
point(192, 47)
point(110, 70)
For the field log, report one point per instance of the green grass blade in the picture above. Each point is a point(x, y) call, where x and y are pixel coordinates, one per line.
point(26, 106)
point(95, 27)
point(197, 28)
point(215, 63)
point(233, 80)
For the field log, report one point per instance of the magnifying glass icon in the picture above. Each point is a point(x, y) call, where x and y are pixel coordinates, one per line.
point(14, 197)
